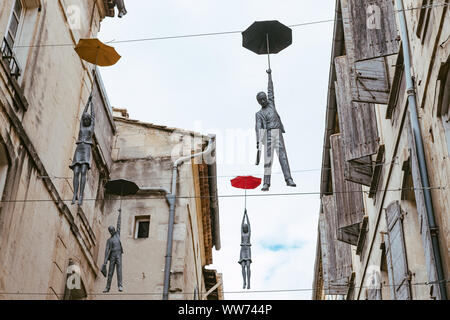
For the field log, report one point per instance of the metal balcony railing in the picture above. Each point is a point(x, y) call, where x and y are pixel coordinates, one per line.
point(10, 58)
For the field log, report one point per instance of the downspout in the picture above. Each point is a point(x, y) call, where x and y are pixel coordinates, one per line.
point(415, 126)
point(171, 198)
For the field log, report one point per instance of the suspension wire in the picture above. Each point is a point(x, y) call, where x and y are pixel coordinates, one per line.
point(221, 33)
point(232, 195)
point(253, 174)
point(226, 292)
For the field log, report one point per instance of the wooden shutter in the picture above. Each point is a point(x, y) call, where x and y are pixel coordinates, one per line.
point(371, 81)
point(399, 278)
point(373, 28)
point(359, 171)
point(325, 252)
point(422, 213)
point(348, 196)
point(339, 258)
point(357, 120)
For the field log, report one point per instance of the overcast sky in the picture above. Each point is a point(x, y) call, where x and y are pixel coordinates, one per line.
point(209, 85)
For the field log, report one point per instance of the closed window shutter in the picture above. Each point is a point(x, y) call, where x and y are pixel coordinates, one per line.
point(371, 83)
point(357, 120)
point(399, 278)
point(359, 171)
point(348, 196)
point(372, 28)
point(338, 258)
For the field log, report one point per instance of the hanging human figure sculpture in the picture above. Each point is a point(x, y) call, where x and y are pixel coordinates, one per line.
point(113, 254)
point(269, 132)
point(246, 253)
point(81, 163)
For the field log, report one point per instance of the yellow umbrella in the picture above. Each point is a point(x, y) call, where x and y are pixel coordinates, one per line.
point(96, 52)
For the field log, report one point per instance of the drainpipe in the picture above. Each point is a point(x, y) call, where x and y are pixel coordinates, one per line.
point(171, 198)
point(414, 119)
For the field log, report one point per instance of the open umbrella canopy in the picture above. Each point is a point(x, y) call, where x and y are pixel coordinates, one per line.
point(121, 187)
point(246, 182)
point(96, 52)
point(255, 37)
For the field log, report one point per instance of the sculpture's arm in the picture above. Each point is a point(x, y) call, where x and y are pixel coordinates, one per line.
point(87, 104)
point(270, 90)
point(92, 115)
point(119, 221)
point(259, 127)
point(106, 252)
point(248, 222)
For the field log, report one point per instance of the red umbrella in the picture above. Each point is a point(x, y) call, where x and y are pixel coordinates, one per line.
point(247, 183)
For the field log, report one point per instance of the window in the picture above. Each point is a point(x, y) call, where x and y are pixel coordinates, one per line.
point(396, 259)
point(444, 100)
point(12, 33)
point(142, 227)
point(424, 19)
point(3, 169)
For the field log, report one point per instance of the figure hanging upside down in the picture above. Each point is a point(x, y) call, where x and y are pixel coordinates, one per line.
point(269, 132)
point(82, 158)
point(246, 253)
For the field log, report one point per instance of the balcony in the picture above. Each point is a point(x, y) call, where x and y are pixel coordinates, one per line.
point(10, 60)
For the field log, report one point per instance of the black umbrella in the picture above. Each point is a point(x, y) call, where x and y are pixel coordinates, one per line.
point(121, 187)
point(266, 37)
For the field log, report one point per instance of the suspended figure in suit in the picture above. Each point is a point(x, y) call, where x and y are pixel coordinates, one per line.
point(113, 253)
point(246, 253)
point(269, 132)
point(81, 163)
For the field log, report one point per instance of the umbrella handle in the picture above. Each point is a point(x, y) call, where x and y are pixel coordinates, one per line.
point(268, 49)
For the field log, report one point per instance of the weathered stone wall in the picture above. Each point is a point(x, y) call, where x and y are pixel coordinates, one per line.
point(143, 153)
point(39, 121)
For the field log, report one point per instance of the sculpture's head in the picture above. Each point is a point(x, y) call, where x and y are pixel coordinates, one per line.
point(111, 230)
point(262, 99)
point(245, 228)
point(86, 119)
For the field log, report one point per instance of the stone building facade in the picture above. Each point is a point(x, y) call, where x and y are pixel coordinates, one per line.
point(376, 236)
point(44, 86)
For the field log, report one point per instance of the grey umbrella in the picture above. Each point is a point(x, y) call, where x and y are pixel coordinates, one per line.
point(121, 187)
point(267, 37)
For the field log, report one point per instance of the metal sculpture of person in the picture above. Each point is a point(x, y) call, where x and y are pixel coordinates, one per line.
point(81, 163)
point(113, 254)
point(246, 253)
point(269, 132)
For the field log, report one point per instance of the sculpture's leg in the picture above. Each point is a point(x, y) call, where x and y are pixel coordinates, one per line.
point(112, 266)
point(76, 182)
point(284, 162)
point(248, 274)
point(244, 276)
point(268, 160)
point(119, 272)
point(84, 170)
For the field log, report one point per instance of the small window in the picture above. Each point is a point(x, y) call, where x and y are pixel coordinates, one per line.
point(3, 169)
point(11, 37)
point(424, 20)
point(444, 99)
point(142, 227)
